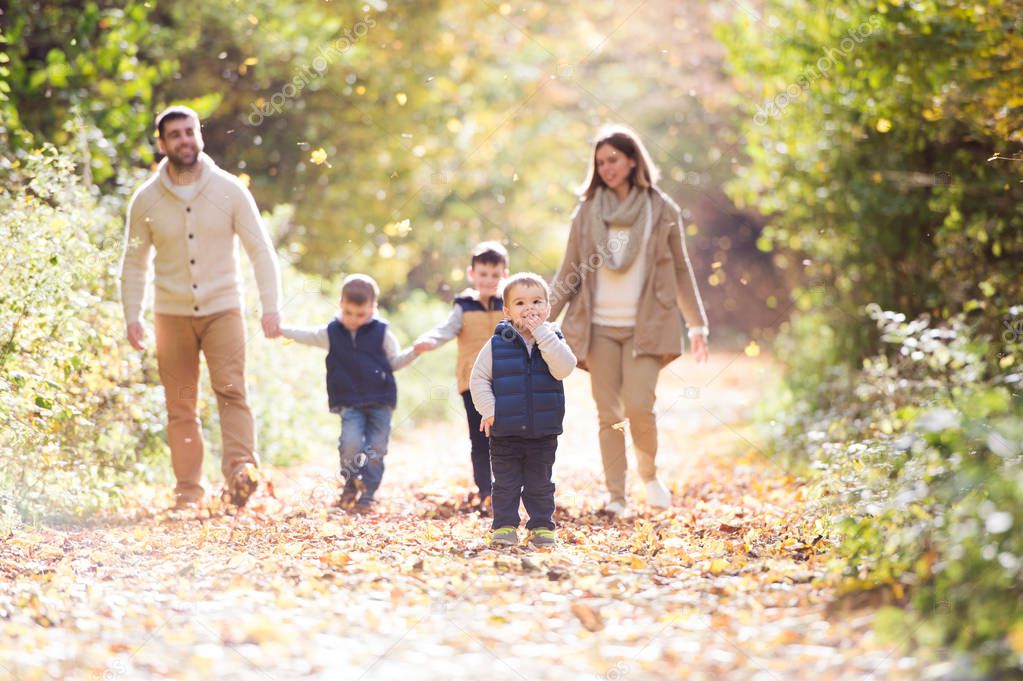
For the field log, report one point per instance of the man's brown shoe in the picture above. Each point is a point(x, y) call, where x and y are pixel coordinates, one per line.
point(243, 484)
point(183, 503)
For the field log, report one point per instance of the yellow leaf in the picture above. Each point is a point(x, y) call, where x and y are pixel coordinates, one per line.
point(246, 180)
point(717, 566)
point(752, 350)
point(883, 125)
point(319, 156)
point(335, 558)
point(402, 98)
point(1015, 638)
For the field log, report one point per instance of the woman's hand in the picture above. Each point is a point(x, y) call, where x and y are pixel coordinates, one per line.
point(486, 424)
point(700, 352)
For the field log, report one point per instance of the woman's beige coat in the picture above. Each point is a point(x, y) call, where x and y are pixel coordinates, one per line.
point(669, 290)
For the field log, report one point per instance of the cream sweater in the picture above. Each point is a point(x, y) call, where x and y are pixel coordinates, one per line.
point(195, 261)
point(616, 294)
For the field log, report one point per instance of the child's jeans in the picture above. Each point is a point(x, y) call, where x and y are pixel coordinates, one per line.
point(365, 432)
point(522, 470)
point(480, 448)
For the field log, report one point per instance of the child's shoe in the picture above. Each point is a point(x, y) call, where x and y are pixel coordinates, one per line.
point(347, 498)
point(504, 536)
point(657, 495)
point(365, 505)
point(542, 538)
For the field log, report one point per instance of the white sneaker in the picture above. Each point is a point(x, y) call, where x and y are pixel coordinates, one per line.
point(615, 508)
point(657, 495)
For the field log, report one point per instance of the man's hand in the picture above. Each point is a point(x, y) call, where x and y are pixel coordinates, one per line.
point(137, 334)
point(700, 352)
point(486, 424)
point(271, 324)
point(423, 346)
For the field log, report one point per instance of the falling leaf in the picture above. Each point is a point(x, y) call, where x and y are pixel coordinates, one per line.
point(319, 156)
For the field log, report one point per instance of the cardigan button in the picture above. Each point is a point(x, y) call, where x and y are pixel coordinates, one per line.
point(192, 261)
point(196, 308)
point(188, 210)
point(190, 236)
point(195, 285)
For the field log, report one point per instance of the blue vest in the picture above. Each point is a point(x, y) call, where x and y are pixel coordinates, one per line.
point(358, 373)
point(529, 401)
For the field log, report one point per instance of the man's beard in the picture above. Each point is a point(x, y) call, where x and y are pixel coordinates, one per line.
point(177, 160)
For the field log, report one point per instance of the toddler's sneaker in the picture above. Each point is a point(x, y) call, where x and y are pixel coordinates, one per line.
point(504, 536)
point(657, 495)
point(542, 538)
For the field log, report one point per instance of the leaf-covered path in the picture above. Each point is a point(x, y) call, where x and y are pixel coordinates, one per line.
point(723, 586)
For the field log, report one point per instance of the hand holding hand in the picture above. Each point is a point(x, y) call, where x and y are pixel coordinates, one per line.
point(420, 347)
point(700, 352)
point(486, 424)
point(136, 334)
point(271, 324)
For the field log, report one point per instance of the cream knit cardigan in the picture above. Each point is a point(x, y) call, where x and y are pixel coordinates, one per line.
point(196, 262)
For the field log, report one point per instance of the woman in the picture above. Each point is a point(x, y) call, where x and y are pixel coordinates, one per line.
point(626, 278)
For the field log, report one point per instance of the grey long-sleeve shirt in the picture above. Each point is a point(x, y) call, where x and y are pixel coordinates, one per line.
point(318, 337)
point(447, 331)
point(555, 351)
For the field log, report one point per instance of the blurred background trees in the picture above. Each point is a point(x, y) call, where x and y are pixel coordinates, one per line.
point(436, 124)
point(849, 174)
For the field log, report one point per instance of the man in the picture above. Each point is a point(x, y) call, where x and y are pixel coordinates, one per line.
point(190, 212)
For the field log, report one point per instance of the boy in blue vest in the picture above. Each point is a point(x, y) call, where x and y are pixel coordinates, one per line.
point(475, 313)
point(516, 387)
point(362, 356)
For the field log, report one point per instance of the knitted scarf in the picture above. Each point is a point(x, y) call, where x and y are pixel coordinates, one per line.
point(629, 214)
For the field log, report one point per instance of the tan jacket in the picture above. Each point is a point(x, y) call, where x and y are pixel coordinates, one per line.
point(195, 261)
point(477, 330)
point(669, 289)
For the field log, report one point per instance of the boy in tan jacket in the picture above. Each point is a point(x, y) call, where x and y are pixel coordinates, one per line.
point(474, 315)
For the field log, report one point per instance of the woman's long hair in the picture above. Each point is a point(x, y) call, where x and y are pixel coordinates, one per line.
point(644, 175)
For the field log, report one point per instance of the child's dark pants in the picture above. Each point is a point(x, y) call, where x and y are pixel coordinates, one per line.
point(522, 470)
point(480, 448)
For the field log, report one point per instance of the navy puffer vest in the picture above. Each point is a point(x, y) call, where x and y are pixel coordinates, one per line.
point(358, 373)
point(529, 401)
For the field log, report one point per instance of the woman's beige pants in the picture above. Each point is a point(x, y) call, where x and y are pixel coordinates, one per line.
point(624, 387)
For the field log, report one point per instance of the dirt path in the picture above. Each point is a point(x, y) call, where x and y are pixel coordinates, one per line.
point(722, 587)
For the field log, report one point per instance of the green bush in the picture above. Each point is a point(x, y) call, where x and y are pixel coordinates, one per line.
point(80, 412)
point(921, 464)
